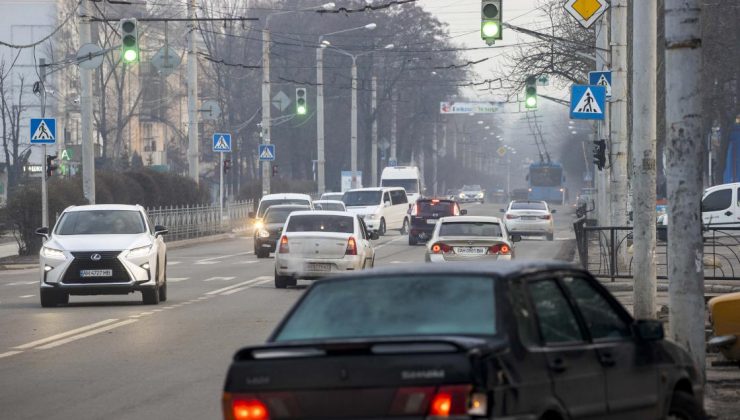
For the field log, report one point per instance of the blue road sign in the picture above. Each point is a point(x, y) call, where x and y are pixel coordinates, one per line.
point(222, 142)
point(43, 130)
point(267, 152)
point(601, 78)
point(587, 102)
point(392, 162)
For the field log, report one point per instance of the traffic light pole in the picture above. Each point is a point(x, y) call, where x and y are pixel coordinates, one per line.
point(320, 160)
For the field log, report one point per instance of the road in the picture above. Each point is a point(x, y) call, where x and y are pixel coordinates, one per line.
point(112, 357)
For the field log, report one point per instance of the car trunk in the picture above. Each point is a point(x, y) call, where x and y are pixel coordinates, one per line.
point(329, 245)
point(354, 379)
point(471, 247)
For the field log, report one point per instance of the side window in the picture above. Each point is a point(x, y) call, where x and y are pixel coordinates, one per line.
point(522, 316)
point(554, 316)
point(363, 229)
point(151, 224)
point(603, 322)
point(386, 197)
point(718, 200)
point(399, 197)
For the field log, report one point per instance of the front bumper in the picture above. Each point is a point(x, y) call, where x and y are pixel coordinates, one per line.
point(441, 258)
point(372, 224)
point(265, 244)
point(302, 267)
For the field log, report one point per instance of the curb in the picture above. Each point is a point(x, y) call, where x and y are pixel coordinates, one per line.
point(709, 289)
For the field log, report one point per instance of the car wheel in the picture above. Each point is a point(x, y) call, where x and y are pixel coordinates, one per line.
point(381, 229)
point(412, 240)
point(550, 236)
point(163, 287)
point(405, 227)
point(281, 282)
point(48, 298)
point(262, 254)
point(684, 406)
point(150, 296)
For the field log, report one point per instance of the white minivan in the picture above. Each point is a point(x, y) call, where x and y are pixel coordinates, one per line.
point(406, 177)
point(380, 208)
point(720, 207)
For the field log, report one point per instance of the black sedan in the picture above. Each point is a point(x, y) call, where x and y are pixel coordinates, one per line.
point(529, 340)
point(268, 230)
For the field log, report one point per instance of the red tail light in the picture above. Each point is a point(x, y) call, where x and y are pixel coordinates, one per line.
point(441, 248)
point(512, 216)
point(244, 408)
point(501, 249)
point(284, 248)
point(351, 246)
point(438, 403)
point(450, 401)
point(545, 217)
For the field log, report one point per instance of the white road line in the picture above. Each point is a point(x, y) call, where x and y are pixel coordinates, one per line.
point(246, 262)
point(26, 296)
point(174, 262)
point(86, 334)
point(9, 353)
point(389, 242)
point(219, 279)
point(177, 279)
point(396, 262)
point(21, 283)
point(232, 291)
point(214, 260)
point(206, 262)
point(145, 313)
point(234, 286)
point(64, 334)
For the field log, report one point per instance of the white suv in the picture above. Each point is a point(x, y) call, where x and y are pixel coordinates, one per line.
point(380, 208)
point(103, 250)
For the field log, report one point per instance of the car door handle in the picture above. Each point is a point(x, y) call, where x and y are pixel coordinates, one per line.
point(558, 365)
point(728, 213)
point(607, 359)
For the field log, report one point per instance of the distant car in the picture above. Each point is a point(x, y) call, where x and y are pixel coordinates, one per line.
point(472, 193)
point(103, 250)
point(452, 194)
point(267, 231)
point(423, 217)
point(530, 218)
point(514, 340)
point(467, 238)
point(331, 196)
point(662, 225)
point(329, 205)
point(276, 199)
point(315, 244)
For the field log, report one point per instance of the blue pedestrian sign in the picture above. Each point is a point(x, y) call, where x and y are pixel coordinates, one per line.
point(392, 162)
point(267, 152)
point(601, 78)
point(43, 130)
point(587, 102)
point(222, 142)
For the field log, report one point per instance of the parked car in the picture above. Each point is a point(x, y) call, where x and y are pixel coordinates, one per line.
point(103, 249)
point(423, 217)
point(332, 196)
point(380, 208)
point(466, 238)
point(329, 205)
point(276, 199)
point(315, 244)
point(530, 218)
point(472, 193)
point(528, 340)
point(268, 230)
point(720, 205)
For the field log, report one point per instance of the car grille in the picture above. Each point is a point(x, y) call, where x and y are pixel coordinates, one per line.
point(108, 261)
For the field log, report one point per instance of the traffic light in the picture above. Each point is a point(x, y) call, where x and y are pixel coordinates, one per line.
point(227, 165)
point(490, 27)
point(600, 154)
point(530, 93)
point(274, 170)
point(129, 41)
point(50, 166)
point(300, 101)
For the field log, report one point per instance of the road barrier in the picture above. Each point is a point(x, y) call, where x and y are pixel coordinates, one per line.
point(187, 222)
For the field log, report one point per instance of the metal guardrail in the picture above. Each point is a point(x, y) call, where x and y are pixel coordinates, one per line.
point(606, 251)
point(187, 222)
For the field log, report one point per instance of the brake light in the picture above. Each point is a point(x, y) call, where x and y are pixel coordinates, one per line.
point(501, 249)
point(435, 202)
point(351, 246)
point(244, 408)
point(545, 217)
point(284, 248)
point(441, 248)
point(512, 216)
point(441, 405)
point(450, 401)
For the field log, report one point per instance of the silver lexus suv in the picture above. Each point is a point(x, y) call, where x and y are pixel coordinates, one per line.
point(103, 250)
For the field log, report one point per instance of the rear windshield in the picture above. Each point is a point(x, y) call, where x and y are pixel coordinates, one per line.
point(484, 229)
point(329, 206)
point(362, 198)
point(101, 222)
point(280, 215)
point(394, 306)
point(443, 208)
point(410, 185)
point(321, 223)
point(266, 204)
point(528, 206)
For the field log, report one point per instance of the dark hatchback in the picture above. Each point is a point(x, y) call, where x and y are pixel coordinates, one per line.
point(268, 230)
point(524, 340)
point(423, 217)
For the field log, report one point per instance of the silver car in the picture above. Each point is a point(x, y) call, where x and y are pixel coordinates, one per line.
point(103, 250)
point(466, 238)
point(530, 218)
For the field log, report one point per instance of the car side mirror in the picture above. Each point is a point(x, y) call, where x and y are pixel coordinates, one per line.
point(251, 215)
point(43, 231)
point(648, 330)
point(387, 204)
point(160, 230)
point(463, 212)
point(516, 238)
point(374, 236)
point(553, 211)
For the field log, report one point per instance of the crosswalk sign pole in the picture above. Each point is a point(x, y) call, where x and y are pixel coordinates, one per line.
point(44, 192)
point(221, 188)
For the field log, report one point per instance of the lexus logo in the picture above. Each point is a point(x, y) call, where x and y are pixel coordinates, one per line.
point(96, 257)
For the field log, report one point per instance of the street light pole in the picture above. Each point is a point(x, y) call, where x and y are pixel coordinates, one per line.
point(353, 130)
point(320, 159)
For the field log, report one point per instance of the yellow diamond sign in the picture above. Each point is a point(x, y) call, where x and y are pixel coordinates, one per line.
point(586, 12)
point(501, 151)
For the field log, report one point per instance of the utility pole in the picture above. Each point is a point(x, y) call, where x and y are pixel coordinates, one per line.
point(266, 112)
point(618, 114)
point(320, 159)
point(685, 157)
point(193, 151)
point(88, 148)
point(394, 128)
point(644, 82)
point(374, 140)
point(435, 159)
point(601, 178)
point(353, 132)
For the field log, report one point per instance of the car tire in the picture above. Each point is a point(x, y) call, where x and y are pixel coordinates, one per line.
point(262, 254)
point(550, 236)
point(150, 295)
point(163, 287)
point(49, 298)
point(412, 241)
point(684, 406)
point(281, 282)
point(381, 229)
point(405, 227)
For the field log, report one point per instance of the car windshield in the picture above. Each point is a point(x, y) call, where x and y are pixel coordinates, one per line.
point(321, 223)
point(101, 222)
point(471, 188)
point(528, 205)
point(362, 198)
point(266, 204)
point(280, 215)
point(546, 176)
point(329, 206)
point(394, 305)
point(483, 229)
point(332, 196)
point(410, 185)
point(443, 208)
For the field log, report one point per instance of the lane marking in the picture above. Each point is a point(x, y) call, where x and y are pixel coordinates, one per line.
point(232, 291)
point(206, 262)
point(396, 262)
point(389, 242)
point(9, 353)
point(26, 296)
point(219, 279)
point(64, 334)
point(146, 313)
point(177, 279)
point(234, 286)
point(174, 263)
point(214, 260)
point(21, 283)
point(86, 334)
point(246, 262)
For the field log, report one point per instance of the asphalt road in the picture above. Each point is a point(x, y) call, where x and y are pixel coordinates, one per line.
point(112, 357)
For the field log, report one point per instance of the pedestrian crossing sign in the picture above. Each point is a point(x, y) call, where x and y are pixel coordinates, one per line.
point(43, 130)
point(266, 152)
point(587, 102)
point(222, 142)
point(601, 78)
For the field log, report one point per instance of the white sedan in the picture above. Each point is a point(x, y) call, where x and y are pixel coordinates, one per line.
point(530, 218)
point(466, 238)
point(316, 244)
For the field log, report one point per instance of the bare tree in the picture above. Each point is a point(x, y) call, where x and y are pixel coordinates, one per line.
point(11, 111)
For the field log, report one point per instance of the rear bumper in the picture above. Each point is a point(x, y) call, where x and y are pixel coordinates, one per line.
point(301, 267)
point(265, 244)
point(421, 231)
point(524, 228)
point(442, 258)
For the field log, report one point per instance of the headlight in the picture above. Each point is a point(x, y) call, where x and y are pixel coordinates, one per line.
point(263, 233)
point(139, 252)
point(480, 195)
point(259, 225)
point(462, 195)
point(52, 253)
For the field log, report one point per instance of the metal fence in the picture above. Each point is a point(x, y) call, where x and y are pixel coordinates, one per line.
point(186, 222)
point(607, 251)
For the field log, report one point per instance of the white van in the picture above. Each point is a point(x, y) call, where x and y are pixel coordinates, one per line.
point(380, 208)
point(720, 207)
point(406, 177)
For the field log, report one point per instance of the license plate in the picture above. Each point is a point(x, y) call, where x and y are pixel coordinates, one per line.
point(96, 273)
point(470, 250)
point(431, 221)
point(529, 218)
point(319, 267)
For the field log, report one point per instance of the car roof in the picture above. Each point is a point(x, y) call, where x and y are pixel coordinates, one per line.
point(471, 219)
point(377, 189)
point(721, 186)
point(328, 202)
point(322, 213)
point(288, 206)
point(286, 196)
point(92, 207)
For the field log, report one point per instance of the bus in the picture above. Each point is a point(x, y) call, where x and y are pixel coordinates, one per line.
point(546, 182)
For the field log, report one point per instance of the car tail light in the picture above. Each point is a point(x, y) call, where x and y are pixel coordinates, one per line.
point(284, 248)
point(545, 217)
point(512, 216)
point(441, 248)
point(439, 403)
point(450, 401)
point(351, 246)
point(244, 407)
point(501, 249)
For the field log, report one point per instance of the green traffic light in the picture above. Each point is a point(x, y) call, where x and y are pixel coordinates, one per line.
point(130, 56)
point(490, 29)
point(531, 102)
point(301, 110)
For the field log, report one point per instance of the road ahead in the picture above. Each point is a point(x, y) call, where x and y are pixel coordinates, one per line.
point(112, 357)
